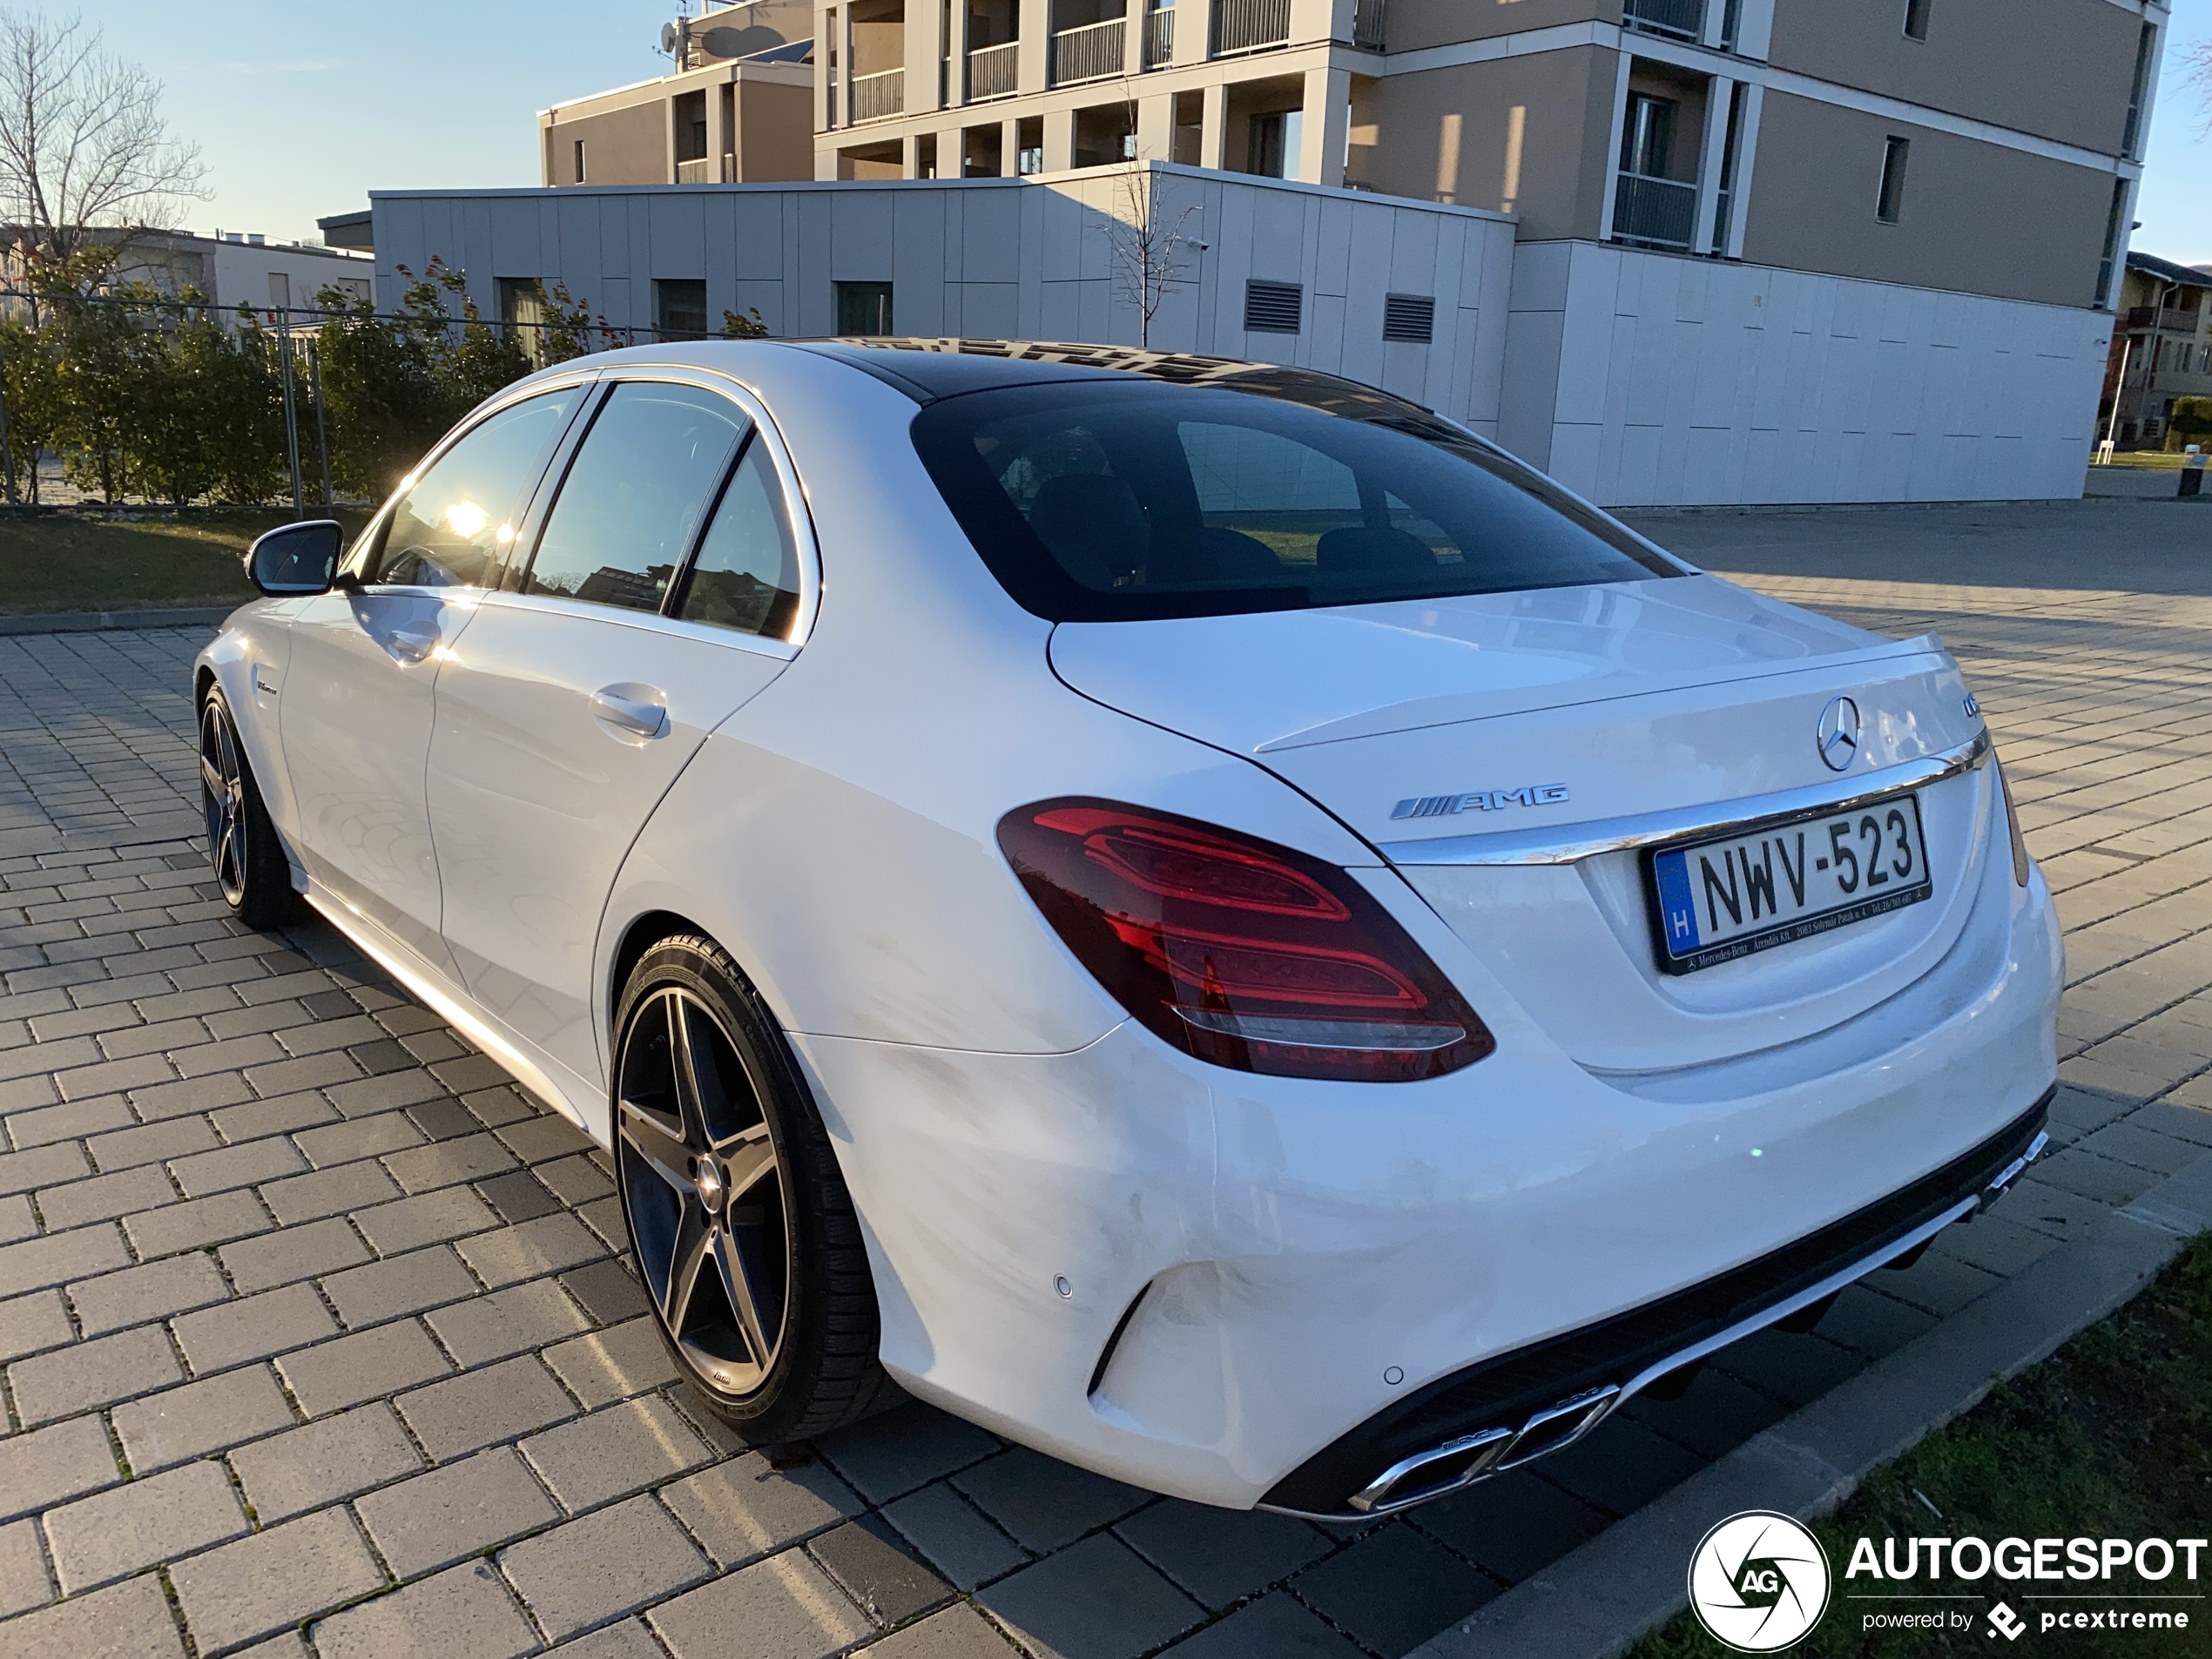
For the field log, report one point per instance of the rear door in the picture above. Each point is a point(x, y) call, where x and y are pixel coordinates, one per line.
point(355, 699)
point(664, 593)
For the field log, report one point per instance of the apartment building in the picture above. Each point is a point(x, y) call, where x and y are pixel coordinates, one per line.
point(2161, 350)
point(734, 107)
point(228, 269)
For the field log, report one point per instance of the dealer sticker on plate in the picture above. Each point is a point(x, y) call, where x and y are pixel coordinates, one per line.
point(1727, 897)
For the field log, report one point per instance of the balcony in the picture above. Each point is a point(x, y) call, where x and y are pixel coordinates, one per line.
point(2167, 321)
point(877, 95)
point(1674, 19)
point(1655, 213)
point(1159, 38)
point(1250, 26)
point(1367, 25)
point(1090, 53)
point(994, 72)
point(705, 169)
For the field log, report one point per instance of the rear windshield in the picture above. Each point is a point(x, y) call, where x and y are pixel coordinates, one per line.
point(1099, 502)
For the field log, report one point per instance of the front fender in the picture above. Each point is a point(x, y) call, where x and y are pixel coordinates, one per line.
point(248, 659)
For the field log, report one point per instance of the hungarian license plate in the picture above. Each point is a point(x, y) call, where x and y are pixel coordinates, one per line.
point(1724, 898)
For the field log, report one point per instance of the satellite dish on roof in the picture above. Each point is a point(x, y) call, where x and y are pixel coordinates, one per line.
point(668, 38)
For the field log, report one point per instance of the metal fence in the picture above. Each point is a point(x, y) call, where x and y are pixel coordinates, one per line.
point(1159, 38)
point(994, 72)
point(1679, 19)
point(1249, 26)
point(1658, 212)
point(1089, 53)
point(877, 95)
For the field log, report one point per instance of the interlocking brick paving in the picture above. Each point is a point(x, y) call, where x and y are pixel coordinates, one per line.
point(315, 1335)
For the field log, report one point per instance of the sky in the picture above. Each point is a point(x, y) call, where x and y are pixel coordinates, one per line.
point(298, 119)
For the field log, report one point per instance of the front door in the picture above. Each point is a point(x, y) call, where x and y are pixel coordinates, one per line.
point(354, 711)
point(659, 600)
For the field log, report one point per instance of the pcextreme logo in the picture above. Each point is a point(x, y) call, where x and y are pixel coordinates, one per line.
point(1759, 1581)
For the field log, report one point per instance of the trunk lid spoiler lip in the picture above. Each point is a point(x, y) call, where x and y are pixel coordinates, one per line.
point(1572, 843)
point(1384, 721)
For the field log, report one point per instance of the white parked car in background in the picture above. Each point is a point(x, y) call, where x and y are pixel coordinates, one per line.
point(1194, 913)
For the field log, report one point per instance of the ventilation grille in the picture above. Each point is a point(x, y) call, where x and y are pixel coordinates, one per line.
point(1273, 307)
point(1409, 316)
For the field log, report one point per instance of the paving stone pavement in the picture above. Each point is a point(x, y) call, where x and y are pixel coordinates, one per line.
point(317, 1338)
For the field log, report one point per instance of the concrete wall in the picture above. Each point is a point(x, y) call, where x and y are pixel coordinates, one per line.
point(1008, 259)
point(1645, 379)
point(622, 146)
point(1522, 135)
point(773, 140)
point(1976, 217)
point(2059, 69)
point(1414, 25)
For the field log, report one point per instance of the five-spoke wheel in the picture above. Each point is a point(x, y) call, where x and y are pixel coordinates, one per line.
point(707, 1193)
point(222, 793)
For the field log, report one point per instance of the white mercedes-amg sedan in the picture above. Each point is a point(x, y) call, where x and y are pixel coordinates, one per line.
point(1194, 913)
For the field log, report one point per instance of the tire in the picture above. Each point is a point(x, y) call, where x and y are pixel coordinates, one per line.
point(740, 1221)
point(242, 845)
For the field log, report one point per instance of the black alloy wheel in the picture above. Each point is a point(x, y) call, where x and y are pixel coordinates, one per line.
point(739, 1220)
point(251, 871)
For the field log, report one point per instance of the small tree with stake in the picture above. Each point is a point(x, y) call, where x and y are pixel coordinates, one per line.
point(1145, 242)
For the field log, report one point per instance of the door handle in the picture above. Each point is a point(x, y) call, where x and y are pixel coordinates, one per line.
point(632, 715)
point(413, 646)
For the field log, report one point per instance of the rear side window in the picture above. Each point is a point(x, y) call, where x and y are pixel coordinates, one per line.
point(636, 494)
point(746, 575)
point(1098, 503)
point(453, 523)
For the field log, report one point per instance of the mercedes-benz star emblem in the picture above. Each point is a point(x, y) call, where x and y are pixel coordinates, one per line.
point(1836, 735)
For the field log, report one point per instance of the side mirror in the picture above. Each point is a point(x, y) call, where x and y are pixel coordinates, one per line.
point(296, 558)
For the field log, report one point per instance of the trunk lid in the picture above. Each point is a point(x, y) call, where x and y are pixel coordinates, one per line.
point(1433, 726)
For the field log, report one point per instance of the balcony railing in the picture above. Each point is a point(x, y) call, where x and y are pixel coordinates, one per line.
point(1658, 212)
point(1367, 24)
point(1676, 19)
point(705, 169)
point(1159, 38)
point(1249, 26)
point(2165, 321)
point(994, 72)
point(877, 95)
point(1090, 53)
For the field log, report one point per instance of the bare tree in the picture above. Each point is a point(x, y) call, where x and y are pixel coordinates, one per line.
point(2196, 74)
point(1145, 241)
point(84, 150)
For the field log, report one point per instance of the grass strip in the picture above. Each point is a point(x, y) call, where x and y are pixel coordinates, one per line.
point(70, 562)
point(2109, 1437)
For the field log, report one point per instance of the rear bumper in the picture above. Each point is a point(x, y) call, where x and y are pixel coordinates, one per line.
point(1514, 1407)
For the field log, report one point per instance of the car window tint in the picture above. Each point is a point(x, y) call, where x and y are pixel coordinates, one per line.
point(746, 575)
point(455, 522)
point(635, 495)
point(1092, 500)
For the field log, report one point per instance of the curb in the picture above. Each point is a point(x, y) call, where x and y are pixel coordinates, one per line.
point(1597, 1600)
point(89, 622)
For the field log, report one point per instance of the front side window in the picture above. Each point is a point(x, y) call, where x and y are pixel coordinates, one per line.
point(636, 494)
point(452, 526)
point(1098, 502)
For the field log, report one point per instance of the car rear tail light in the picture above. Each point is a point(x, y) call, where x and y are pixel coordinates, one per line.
point(1240, 952)
point(2012, 823)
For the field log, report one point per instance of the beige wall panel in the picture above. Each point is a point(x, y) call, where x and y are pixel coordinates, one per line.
point(621, 147)
point(1517, 135)
point(2060, 69)
point(1976, 217)
point(1412, 25)
point(773, 143)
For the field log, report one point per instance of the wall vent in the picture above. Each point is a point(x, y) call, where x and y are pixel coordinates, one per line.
point(1409, 317)
point(1273, 307)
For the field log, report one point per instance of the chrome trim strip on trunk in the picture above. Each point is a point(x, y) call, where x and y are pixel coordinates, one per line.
point(1490, 1461)
point(1571, 843)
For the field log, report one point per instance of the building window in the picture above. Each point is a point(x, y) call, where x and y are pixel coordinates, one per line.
point(1916, 18)
point(1273, 307)
point(1028, 138)
point(2114, 225)
point(679, 309)
point(1409, 317)
point(864, 307)
point(1889, 201)
point(1648, 136)
point(579, 161)
point(522, 307)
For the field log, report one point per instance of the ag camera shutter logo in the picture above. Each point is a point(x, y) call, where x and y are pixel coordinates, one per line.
point(1759, 1581)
